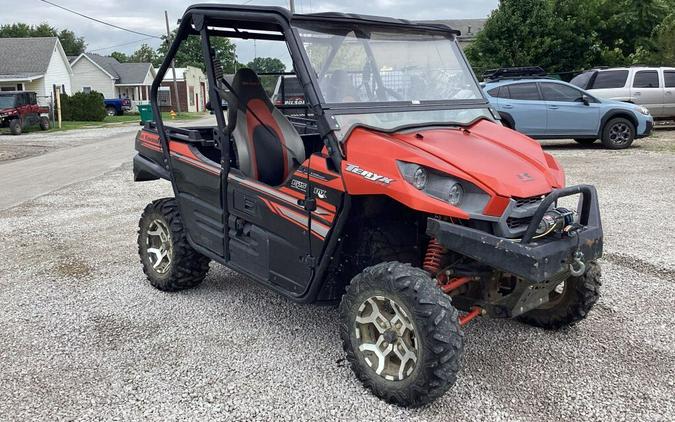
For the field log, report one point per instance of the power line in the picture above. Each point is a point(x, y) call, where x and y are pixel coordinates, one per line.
point(99, 21)
point(122, 45)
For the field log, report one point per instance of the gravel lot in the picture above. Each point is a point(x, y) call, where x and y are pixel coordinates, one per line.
point(84, 337)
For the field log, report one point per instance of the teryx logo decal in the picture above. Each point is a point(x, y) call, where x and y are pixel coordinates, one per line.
point(368, 175)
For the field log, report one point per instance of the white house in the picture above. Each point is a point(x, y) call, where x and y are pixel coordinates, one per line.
point(92, 72)
point(34, 64)
point(192, 89)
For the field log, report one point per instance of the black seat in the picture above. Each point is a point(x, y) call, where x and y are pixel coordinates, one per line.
point(268, 147)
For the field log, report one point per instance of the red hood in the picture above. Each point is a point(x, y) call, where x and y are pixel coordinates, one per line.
point(509, 163)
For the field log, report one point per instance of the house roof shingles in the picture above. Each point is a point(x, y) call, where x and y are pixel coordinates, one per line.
point(124, 73)
point(25, 57)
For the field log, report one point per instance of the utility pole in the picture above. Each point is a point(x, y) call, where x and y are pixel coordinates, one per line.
point(292, 6)
point(173, 63)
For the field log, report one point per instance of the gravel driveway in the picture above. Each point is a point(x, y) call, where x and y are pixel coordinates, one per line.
point(84, 337)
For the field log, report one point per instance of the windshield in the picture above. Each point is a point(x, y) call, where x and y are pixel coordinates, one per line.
point(6, 101)
point(364, 65)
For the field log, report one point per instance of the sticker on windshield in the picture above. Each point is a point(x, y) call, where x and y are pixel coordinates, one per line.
point(368, 175)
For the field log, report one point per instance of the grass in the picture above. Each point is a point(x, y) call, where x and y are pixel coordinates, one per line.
point(112, 121)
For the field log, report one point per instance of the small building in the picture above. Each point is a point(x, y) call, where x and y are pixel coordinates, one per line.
point(468, 27)
point(93, 72)
point(192, 90)
point(34, 64)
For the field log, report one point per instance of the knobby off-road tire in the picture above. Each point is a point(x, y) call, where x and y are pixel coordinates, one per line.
point(419, 316)
point(168, 260)
point(577, 298)
point(618, 133)
point(15, 127)
point(44, 123)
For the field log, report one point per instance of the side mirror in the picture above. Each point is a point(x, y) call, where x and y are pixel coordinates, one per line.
point(586, 99)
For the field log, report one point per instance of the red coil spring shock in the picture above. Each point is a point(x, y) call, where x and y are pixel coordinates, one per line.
point(432, 259)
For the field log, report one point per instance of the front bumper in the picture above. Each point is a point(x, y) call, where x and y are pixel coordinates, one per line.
point(649, 128)
point(536, 261)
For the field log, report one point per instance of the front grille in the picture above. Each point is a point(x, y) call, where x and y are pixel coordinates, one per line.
point(517, 223)
point(523, 202)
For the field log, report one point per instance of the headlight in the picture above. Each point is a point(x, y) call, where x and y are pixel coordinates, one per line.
point(643, 110)
point(456, 194)
point(452, 191)
point(420, 178)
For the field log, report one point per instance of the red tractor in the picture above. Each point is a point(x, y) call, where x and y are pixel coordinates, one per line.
point(395, 194)
point(20, 109)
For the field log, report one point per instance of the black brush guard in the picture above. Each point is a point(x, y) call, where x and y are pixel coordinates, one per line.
point(536, 261)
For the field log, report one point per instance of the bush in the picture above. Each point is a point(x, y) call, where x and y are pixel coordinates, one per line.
point(83, 107)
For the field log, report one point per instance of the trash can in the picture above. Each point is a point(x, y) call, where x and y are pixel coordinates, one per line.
point(145, 111)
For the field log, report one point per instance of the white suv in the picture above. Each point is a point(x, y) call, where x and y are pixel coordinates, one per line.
point(651, 87)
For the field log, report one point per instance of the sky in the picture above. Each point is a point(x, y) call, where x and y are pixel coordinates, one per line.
point(147, 16)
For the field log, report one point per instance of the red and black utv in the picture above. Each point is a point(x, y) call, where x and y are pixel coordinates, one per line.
point(20, 109)
point(396, 194)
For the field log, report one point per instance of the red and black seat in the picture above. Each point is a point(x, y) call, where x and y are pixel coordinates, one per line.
point(267, 145)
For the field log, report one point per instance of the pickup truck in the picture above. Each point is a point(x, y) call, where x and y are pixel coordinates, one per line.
point(117, 106)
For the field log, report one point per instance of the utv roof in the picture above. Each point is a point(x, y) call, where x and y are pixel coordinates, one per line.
point(328, 17)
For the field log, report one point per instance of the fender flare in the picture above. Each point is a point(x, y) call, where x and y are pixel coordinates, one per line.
point(616, 112)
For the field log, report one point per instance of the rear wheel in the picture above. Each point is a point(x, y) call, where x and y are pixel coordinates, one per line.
point(569, 303)
point(44, 123)
point(168, 260)
point(401, 334)
point(585, 141)
point(15, 127)
point(619, 133)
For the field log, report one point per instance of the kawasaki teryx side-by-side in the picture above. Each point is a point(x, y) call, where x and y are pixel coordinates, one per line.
point(394, 191)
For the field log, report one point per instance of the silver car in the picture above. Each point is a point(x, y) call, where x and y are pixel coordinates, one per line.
point(651, 87)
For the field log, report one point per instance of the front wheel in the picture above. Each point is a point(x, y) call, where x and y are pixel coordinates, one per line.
point(15, 127)
point(168, 260)
point(111, 111)
point(44, 123)
point(401, 334)
point(569, 303)
point(618, 133)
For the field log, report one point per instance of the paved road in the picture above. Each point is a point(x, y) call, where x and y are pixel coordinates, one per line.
point(94, 153)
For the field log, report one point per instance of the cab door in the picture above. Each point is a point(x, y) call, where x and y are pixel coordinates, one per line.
point(669, 93)
point(648, 91)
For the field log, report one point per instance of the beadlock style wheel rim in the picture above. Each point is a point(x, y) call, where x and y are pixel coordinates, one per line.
point(620, 134)
point(386, 338)
point(158, 246)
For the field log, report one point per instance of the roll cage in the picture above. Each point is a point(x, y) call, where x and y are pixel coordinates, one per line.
point(278, 24)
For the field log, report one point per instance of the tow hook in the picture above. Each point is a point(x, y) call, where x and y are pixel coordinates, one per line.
point(578, 268)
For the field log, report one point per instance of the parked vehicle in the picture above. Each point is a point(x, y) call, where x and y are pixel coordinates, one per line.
point(545, 108)
point(288, 91)
point(403, 200)
point(117, 106)
point(20, 109)
point(652, 87)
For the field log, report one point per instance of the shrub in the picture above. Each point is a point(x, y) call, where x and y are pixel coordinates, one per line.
point(83, 107)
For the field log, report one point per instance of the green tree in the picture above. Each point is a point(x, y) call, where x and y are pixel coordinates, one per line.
point(190, 52)
point(72, 44)
point(144, 54)
point(569, 35)
point(267, 65)
point(119, 56)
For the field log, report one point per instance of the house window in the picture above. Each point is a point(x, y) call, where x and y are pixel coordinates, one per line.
point(19, 87)
point(86, 89)
point(164, 96)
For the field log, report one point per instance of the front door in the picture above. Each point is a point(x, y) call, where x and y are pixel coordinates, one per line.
point(567, 114)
